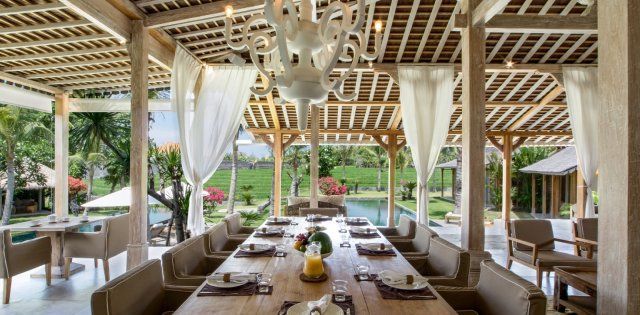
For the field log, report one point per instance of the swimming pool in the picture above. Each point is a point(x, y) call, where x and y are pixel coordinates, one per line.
point(375, 210)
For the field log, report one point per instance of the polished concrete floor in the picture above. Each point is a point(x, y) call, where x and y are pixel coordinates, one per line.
point(31, 296)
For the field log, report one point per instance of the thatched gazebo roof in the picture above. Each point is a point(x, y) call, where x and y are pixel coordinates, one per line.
point(560, 163)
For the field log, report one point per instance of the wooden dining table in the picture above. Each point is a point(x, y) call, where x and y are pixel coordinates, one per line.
point(287, 286)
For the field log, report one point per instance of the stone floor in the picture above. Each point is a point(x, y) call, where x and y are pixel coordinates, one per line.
point(32, 296)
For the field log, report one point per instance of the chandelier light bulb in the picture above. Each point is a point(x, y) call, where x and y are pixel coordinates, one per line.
point(378, 26)
point(509, 64)
point(370, 64)
point(228, 11)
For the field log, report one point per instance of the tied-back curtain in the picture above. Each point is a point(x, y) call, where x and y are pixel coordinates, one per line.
point(581, 86)
point(426, 98)
point(207, 123)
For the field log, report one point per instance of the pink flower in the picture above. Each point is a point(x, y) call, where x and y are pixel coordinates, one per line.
point(215, 197)
point(328, 186)
point(76, 185)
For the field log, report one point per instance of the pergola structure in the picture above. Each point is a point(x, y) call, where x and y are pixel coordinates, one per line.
point(53, 47)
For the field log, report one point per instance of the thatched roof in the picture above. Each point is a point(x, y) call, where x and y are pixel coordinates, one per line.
point(453, 163)
point(560, 163)
point(49, 179)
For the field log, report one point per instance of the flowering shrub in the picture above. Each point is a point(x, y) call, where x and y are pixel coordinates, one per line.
point(328, 186)
point(215, 197)
point(76, 186)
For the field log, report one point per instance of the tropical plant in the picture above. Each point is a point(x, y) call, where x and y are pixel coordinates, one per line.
point(326, 161)
point(89, 163)
point(90, 130)
point(403, 159)
point(214, 197)
point(328, 187)
point(250, 217)
point(234, 173)
point(295, 157)
point(246, 194)
point(16, 128)
point(345, 153)
point(494, 176)
point(380, 159)
point(408, 187)
point(521, 182)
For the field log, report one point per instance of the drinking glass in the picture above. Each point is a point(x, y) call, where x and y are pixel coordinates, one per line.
point(281, 249)
point(363, 271)
point(342, 227)
point(346, 238)
point(339, 217)
point(264, 281)
point(340, 290)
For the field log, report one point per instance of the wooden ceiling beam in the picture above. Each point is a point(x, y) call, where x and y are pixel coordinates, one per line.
point(198, 12)
point(375, 133)
point(56, 41)
point(30, 83)
point(67, 53)
point(487, 9)
point(536, 24)
point(395, 104)
point(535, 109)
point(42, 27)
point(22, 9)
point(66, 64)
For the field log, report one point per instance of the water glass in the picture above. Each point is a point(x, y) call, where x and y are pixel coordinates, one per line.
point(281, 249)
point(346, 239)
point(339, 217)
point(342, 227)
point(264, 281)
point(340, 290)
point(363, 271)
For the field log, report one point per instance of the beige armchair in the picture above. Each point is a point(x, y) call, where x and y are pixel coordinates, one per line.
point(187, 265)
point(418, 246)
point(532, 243)
point(498, 292)
point(18, 258)
point(446, 264)
point(139, 291)
point(330, 212)
point(218, 242)
point(234, 226)
point(406, 229)
point(585, 233)
point(111, 240)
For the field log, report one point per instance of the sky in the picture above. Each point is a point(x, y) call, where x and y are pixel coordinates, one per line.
point(165, 129)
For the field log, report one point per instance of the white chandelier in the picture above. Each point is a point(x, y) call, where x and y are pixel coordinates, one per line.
point(318, 45)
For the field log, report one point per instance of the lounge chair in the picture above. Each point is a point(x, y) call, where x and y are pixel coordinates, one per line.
point(532, 243)
point(585, 233)
point(218, 242)
point(406, 229)
point(234, 226)
point(186, 264)
point(446, 264)
point(330, 212)
point(416, 250)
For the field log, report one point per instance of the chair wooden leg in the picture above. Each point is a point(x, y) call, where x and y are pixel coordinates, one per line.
point(95, 262)
point(7, 290)
point(67, 268)
point(105, 264)
point(509, 263)
point(539, 277)
point(47, 272)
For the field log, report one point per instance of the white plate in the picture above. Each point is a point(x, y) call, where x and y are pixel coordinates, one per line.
point(418, 284)
point(361, 230)
point(302, 309)
point(269, 230)
point(222, 284)
point(376, 247)
point(258, 248)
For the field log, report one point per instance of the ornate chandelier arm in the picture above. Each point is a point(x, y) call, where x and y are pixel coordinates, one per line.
point(366, 55)
point(343, 98)
point(335, 84)
point(360, 18)
point(326, 82)
point(284, 56)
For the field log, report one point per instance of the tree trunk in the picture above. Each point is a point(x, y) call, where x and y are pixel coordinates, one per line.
point(379, 187)
point(273, 186)
point(344, 168)
point(90, 175)
point(11, 184)
point(231, 198)
point(458, 179)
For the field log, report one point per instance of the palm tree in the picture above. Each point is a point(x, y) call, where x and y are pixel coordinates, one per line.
point(295, 157)
point(231, 198)
point(403, 160)
point(380, 159)
point(91, 162)
point(345, 152)
point(15, 128)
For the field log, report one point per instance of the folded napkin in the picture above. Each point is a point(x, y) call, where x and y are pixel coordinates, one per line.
point(362, 230)
point(319, 306)
point(231, 277)
point(393, 277)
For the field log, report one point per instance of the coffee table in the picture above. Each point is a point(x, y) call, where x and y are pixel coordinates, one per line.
point(583, 279)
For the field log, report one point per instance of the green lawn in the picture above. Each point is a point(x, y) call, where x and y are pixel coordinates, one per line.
point(438, 206)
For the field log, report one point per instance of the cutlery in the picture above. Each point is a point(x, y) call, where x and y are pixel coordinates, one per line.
point(424, 297)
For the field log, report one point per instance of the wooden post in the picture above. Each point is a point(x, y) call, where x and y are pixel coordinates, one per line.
point(314, 159)
point(61, 193)
point(454, 184)
point(533, 193)
point(581, 195)
point(544, 194)
point(137, 249)
point(619, 149)
point(392, 148)
point(277, 177)
point(556, 195)
point(507, 144)
point(442, 182)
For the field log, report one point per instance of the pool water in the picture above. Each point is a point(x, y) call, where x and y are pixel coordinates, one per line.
point(375, 210)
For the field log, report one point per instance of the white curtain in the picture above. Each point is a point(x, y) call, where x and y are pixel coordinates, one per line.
point(208, 126)
point(581, 85)
point(426, 97)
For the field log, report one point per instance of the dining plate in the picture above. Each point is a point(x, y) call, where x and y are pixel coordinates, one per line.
point(361, 230)
point(301, 309)
point(221, 284)
point(419, 283)
point(375, 247)
point(257, 248)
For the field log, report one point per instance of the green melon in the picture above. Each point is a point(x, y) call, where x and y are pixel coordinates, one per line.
point(324, 240)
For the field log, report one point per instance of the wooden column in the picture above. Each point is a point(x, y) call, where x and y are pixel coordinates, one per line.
point(61, 192)
point(556, 195)
point(314, 159)
point(442, 182)
point(391, 154)
point(581, 195)
point(533, 193)
point(454, 184)
point(137, 249)
point(544, 194)
point(507, 144)
point(277, 177)
point(619, 149)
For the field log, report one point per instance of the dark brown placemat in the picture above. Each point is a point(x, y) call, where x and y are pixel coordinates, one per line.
point(365, 251)
point(389, 293)
point(268, 253)
point(268, 234)
point(278, 222)
point(319, 219)
point(364, 235)
point(348, 304)
point(358, 223)
point(245, 289)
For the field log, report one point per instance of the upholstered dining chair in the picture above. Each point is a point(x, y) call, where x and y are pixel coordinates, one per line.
point(186, 264)
point(498, 292)
point(418, 246)
point(111, 240)
point(330, 212)
point(139, 291)
point(446, 264)
point(20, 257)
point(406, 229)
point(585, 233)
point(532, 243)
point(234, 226)
point(218, 242)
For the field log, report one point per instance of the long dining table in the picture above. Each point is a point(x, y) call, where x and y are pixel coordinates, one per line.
point(287, 286)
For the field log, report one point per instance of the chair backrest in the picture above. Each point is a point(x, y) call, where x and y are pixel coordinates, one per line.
point(533, 231)
point(24, 256)
point(217, 238)
point(406, 226)
point(294, 210)
point(233, 223)
point(117, 234)
point(185, 259)
point(502, 292)
point(138, 291)
point(587, 228)
point(446, 259)
point(331, 212)
point(422, 240)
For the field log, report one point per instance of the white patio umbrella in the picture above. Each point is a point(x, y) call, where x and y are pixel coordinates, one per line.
point(120, 198)
point(168, 191)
